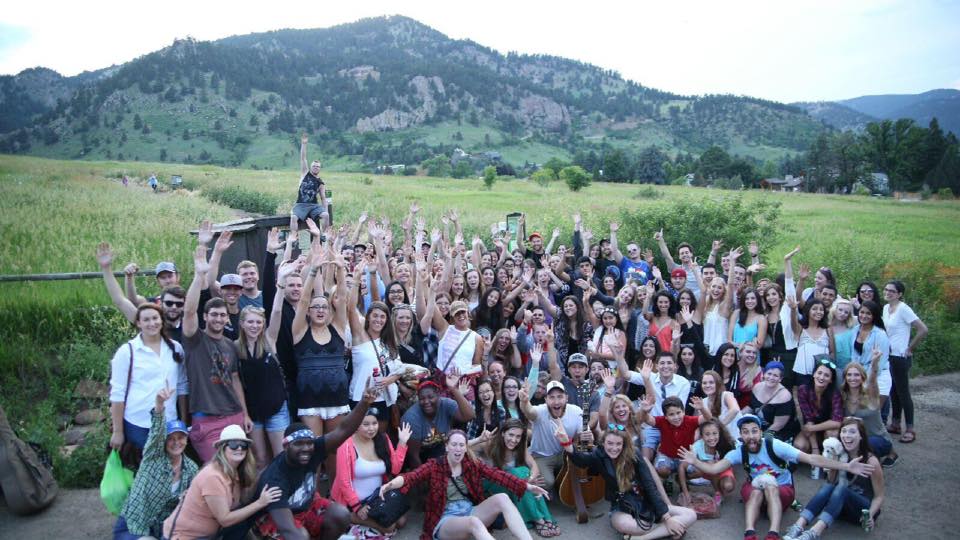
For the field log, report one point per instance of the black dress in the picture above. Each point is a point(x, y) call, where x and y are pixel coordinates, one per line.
point(644, 491)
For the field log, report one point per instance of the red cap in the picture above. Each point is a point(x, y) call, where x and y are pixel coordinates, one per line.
point(678, 272)
point(538, 235)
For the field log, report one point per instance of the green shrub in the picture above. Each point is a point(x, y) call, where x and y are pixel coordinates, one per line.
point(366, 181)
point(489, 176)
point(926, 192)
point(255, 202)
point(543, 177)
point(735, 183)
point(575, 177)
point(733, 219)
point(945, 194)
point(862, 190)
point(648, 192)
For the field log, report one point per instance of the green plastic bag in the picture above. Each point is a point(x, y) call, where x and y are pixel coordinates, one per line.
point(115, 484)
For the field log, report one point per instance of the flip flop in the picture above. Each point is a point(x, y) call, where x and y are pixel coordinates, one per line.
point(893, 428)
point(908, 437)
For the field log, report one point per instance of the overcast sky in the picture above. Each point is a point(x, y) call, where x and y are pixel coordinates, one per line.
point(784, 51)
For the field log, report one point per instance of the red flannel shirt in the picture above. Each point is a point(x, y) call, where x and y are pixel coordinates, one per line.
point(436, 473)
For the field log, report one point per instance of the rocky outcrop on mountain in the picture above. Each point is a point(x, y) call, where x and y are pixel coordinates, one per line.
point(543, 112)
point(426, 90)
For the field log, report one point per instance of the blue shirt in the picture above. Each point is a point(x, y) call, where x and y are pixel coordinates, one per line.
point(638, 270)
point(761, 463)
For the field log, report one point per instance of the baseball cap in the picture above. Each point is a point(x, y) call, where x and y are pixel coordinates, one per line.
point(174, 426)
point(577, 357)
point(231, 280)
point(747, 418)
point(614, 272)
point(556, 385)
point(678, 272)
point(166, 266)
point(538, 235)
point(233, 432)
point(458, 306)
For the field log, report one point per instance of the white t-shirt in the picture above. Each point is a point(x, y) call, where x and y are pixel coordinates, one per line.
point(544, 442)
point(898, 327)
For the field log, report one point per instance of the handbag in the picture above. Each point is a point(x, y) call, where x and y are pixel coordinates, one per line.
point(386, 510)
point(130, 455)
point(636, 506)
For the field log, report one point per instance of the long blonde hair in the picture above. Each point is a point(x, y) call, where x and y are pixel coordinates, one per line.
point(245, 475)
point(708, 301)
point(243, 346)
point(851, 319)
point(626, 463)
point(632, 419)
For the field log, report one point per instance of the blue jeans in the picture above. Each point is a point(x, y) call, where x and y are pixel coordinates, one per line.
point(880, 446)
point(835, 501)
point(121, 532)
point(135, 435)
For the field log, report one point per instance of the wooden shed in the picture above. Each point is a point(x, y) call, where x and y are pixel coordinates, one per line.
point(249, 239)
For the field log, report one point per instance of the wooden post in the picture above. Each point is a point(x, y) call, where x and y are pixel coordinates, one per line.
point(66, 276)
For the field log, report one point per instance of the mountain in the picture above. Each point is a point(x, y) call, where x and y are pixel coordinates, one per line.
point(834, 114)
point(381, 90)
point(855, 113)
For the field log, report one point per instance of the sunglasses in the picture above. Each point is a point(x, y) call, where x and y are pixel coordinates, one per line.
point(171, 303)
point(238, 445)
point(828, 363)
point(617, 427)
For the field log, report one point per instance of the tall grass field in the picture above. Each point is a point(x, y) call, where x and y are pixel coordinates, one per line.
point(53, 214)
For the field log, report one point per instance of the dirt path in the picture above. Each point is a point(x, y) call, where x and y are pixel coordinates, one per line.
point(921, 491)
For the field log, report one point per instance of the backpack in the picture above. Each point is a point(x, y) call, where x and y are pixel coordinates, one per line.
point(27, 485)
point(768, 442)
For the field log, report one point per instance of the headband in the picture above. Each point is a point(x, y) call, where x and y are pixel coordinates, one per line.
point(298, 436)
point(428, 384)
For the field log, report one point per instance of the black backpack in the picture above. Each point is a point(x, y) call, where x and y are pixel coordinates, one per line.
point(768, 442)
point(28, 486)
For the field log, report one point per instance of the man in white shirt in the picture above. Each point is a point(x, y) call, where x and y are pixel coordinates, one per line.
point(544, 446)
point(662, 384)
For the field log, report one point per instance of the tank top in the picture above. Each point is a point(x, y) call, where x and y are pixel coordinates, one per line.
point(743, 334)
point(807, 349)
point(263, 386)
point(367, 476)
point(861, 485)
point(463, 360)
point(872, 422)
point(322, 379)
point(664, 335)
point(714, 329)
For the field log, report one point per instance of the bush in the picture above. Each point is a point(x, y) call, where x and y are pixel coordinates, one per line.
point(648, 192)
point(255, 202)
point(945, 194)
point(410, 170)
point(489, 176)
point(543, 177)
point(735, 183)
point(575, 177)
point(734, 220)
point(860, 189)
point(926, 192)
point(679, 181)
point(366, 181)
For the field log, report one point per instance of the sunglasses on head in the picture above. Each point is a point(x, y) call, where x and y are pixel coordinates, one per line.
point(238, 445)
point(828, 363)
point(617, 427)
point(172, 303)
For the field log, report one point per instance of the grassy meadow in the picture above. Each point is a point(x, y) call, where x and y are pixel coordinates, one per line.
point(53, 214)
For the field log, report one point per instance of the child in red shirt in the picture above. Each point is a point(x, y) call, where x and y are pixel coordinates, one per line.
point(676, 430)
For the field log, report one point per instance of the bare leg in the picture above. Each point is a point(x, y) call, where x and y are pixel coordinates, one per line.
point(801, 443)
point(315, 423)
point(626, 524)
point(752, 509)
point(336, 521)
point(464, 528)
point(774, 510)
point(330, 464)
point(499, 504)
point(260, 451)
point(276, 443)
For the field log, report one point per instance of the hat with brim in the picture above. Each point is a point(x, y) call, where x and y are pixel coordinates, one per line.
point(176, 426)
point(459, 306)
point(165, 266)
point(577, 358)
point(231, 280)
point(748, 418)
point(556, 385)
point(233, 432)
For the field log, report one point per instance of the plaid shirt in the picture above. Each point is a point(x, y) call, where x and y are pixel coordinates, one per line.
point(150, 500)
point(807, 399)
point(436, 473)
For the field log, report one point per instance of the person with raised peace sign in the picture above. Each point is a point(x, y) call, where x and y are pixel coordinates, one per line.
point(164, 475)
point(433, 415)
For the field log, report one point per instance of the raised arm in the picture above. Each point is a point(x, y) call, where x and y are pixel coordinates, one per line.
point(614, 243)
point(300, 324)
point(465, 411)
point(714, 248)
point(219, 248)
point(553, 238)
point(304, 167)
point(276, 308)
point(376, 236)
point(122, 303)
point(664, 250)
point(190, 322)
point(525, 407)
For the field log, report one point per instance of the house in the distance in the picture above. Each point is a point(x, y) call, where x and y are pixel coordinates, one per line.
point(789, 183)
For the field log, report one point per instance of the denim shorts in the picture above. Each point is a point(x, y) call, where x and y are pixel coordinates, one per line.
point(461, 508)
point(651, 437)
point(277, 422)
point(666, 462)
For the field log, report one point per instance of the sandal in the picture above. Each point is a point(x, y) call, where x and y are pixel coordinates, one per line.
point(543, 529)
point(893, 428)
point(554, 529)
point(908, 436)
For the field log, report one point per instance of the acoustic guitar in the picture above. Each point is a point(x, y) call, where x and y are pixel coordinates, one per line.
point(578, 488)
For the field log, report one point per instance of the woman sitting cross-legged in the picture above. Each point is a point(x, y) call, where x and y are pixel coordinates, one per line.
point(507, 451)
point(455, 507)
point(364, 461)
point(849, 497)
point(639, 506)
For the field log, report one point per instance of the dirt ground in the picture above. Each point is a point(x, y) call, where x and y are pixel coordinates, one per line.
point(921, 491)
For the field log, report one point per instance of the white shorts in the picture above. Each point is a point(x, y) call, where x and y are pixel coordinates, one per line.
point(325, 413)
point(884, 382)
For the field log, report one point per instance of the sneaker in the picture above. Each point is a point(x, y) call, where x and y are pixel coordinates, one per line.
point(793, 532)
point(809, 534)
point(772, 535)
point(889, 461)
point(815, 473)
point(750, 535)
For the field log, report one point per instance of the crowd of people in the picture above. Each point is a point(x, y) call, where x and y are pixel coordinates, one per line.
point(472, 367)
